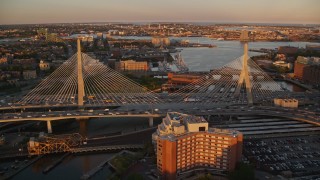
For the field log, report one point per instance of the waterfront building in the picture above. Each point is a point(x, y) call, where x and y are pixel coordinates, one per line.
point(283, 64)
point(160, 41)
point(178, 80)
point(182, 79)
point(287, 50)
point(131, 65)
point(308, 69)
point(185, 143)
point(312, 47)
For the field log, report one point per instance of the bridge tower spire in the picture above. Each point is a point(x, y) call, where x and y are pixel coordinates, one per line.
point(244, 75)
point(80, 76)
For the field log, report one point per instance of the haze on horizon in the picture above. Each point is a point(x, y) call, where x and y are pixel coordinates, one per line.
point(76, 11)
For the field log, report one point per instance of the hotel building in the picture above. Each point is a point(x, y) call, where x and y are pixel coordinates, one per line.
point(185, 143)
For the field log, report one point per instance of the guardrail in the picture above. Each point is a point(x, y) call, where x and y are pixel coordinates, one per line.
point(107, 148)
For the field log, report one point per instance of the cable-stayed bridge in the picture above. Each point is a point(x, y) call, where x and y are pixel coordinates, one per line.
point(83, 82)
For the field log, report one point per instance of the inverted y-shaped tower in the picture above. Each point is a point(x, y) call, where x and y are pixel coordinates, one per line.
point(244, 75)
point(80, 76)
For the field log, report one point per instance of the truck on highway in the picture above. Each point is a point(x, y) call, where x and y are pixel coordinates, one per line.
point(190, 99)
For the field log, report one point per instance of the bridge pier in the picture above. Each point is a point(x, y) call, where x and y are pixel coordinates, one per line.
point(49, 127)
point(150, 121)
point(83, 126)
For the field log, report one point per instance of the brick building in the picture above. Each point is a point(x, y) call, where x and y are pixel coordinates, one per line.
point(308, 69)
point(177, 80)
point(185, 143)
point(131, 65)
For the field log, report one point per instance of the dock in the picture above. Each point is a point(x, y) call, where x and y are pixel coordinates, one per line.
point(95, 170)
point(55, 163)
point(107, 148)
point(10, 175)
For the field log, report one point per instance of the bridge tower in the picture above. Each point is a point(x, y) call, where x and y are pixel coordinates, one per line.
point(244, 75)
point(80, 76)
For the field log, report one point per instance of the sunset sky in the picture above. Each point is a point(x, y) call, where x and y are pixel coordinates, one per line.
point(251, 11)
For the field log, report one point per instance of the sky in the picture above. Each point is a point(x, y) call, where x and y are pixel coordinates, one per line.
point(229, 11)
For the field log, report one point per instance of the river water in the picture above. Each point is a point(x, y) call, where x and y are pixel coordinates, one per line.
point(205, 59)
point(72, 167)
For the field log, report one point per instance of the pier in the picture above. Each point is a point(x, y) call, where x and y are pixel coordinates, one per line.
point(10, 175)
point(55, 163)
point(96, 169)
point(107, 148)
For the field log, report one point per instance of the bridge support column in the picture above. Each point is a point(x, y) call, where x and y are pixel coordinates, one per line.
point(150, 121)
point(244, 75)
point(49, 127)
point(209, 117)
point(83, 126)
point(80, 75)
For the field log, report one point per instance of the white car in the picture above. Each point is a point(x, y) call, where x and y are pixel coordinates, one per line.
point(68, 114)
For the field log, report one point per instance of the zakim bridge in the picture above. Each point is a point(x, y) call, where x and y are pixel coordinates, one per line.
point(82, 84)
point(83, 81)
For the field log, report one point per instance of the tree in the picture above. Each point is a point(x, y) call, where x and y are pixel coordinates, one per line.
point(205, 177)
point(135, 176)
point(242, 172)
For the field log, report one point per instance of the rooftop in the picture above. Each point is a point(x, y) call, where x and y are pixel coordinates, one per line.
point(177, 124)
point(186, 118)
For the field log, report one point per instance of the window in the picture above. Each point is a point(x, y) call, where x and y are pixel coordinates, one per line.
point(202, 128)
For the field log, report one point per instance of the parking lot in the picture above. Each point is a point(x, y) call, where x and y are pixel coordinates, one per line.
point(296, 157)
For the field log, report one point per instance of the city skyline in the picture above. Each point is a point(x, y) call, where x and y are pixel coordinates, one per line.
point(247, 11)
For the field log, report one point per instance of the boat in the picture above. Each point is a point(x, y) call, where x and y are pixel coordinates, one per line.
point(220, 39)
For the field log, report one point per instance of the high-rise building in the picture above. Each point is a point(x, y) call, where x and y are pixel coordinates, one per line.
point(185, 143)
